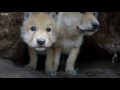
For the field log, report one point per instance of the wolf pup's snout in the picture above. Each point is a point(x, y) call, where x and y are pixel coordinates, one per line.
point(40, 41)
point(95, 25)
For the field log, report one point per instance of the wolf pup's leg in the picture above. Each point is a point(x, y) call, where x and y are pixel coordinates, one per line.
point(33, 59)
point(50, 62)
point(69, 70)
point(57, 58)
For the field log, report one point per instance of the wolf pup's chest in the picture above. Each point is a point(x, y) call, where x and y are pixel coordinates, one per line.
point(41, 52)
point(66, 44)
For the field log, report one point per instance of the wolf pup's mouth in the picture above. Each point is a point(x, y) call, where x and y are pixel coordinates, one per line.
point(40, 48)
point(88, 30)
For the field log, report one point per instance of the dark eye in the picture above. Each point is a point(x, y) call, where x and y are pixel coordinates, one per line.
point(94, 13)
point(48, 29)
point(33, 28)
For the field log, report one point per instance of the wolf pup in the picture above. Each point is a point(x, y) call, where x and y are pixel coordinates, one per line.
point(39, 32)
point(73, 27)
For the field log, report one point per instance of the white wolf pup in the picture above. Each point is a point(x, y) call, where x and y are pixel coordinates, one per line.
point(73, 26)
point(39, 32)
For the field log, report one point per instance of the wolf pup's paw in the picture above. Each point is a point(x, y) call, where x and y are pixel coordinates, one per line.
point(71, 72)
point(51, 73)
point(29, 67)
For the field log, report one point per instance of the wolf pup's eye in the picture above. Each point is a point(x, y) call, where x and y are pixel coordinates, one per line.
point(33, 28)
point(48, 29)
point(94, 13)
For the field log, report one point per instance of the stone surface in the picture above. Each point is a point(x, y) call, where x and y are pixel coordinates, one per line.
point(11, 45)
point(108, 35)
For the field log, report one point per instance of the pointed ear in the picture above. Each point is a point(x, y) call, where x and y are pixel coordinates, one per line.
point(97, 14)
point(27, 14)
point(54, 15)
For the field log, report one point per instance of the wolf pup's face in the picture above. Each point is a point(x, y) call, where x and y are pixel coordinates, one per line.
point(83, 22)
point(89, 23)
point(38, 30)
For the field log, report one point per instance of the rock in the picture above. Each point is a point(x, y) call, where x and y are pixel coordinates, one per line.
point(9, 70)
point(108, 35)
point(11, 45)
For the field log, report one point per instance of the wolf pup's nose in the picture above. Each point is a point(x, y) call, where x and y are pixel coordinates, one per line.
point(40, 41)
point(95, 25)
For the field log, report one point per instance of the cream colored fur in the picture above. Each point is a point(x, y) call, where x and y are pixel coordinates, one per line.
point(41, 21)
point(73, 27)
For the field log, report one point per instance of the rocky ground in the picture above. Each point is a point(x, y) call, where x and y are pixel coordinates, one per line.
point(86, 69)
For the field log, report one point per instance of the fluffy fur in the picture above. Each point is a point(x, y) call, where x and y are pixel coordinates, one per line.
point(33, 31)
point(73, 27)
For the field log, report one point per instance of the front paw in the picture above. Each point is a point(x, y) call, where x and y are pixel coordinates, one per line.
point(51, 73)
point(71, 72)
point(29, 67)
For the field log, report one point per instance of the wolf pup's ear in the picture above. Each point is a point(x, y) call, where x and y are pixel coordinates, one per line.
point(96, 14)
point(27, 14)
point(53, 15)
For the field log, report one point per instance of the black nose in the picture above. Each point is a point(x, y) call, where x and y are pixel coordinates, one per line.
point(41, 42)
point(95, 26)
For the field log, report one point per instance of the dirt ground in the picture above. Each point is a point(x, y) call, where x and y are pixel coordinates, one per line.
point(100, 68)
point(88, 65)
